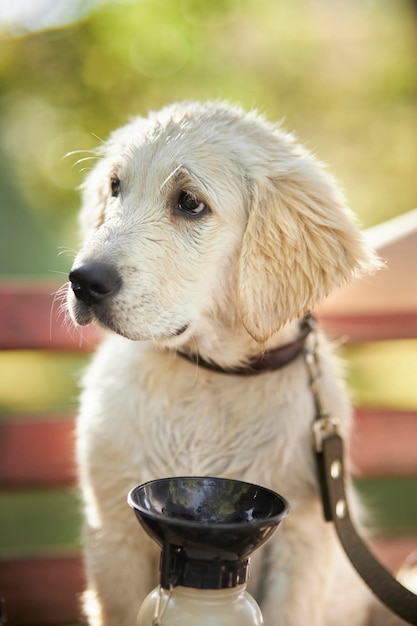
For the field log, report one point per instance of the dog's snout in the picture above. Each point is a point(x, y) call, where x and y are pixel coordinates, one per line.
point(95, 281)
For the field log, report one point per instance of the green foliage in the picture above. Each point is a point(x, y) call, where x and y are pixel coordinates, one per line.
point(391, 504)
point(343, 75)
point(34, 520)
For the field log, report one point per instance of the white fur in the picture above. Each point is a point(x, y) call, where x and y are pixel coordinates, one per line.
point(276, 240)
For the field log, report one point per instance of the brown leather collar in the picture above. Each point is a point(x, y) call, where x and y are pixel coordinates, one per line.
point(265, 362)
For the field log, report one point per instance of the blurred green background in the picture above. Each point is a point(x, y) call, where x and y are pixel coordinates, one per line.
point(341, 74)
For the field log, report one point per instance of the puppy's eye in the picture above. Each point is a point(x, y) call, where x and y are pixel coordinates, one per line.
point(115, 186)
point(189, 205)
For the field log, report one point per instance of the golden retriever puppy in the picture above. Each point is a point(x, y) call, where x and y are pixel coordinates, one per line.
point(209, 233)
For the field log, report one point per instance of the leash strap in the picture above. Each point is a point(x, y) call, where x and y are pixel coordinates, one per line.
point(330, 462)
point(391, 592)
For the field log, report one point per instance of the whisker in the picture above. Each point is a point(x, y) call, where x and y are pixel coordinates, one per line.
point(58, 272)
point(60, 297)
point(65, 250)
point(91, 155)
point(97, 137)
point(72, 152)
point(168, 178)
point(88, 158)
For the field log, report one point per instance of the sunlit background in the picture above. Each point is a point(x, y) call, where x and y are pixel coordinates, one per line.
point(341, 74)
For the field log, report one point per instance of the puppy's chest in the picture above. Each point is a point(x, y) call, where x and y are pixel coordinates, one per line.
point(228, 430)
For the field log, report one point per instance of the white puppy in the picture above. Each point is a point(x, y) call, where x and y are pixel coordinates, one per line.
point(209, 232)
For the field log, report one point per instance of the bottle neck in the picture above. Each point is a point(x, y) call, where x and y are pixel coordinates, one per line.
point(180, 567)
point(210, 595)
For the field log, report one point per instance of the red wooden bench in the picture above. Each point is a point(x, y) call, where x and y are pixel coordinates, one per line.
point(42, 587)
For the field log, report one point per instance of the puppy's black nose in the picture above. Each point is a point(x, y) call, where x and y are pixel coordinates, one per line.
point(95, 281)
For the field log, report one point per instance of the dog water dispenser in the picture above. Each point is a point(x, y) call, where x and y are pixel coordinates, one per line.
point(206, 528)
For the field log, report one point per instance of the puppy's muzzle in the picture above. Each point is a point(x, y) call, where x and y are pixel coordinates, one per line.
point(94, 282)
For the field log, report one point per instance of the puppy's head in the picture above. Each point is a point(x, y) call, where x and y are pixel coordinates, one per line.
point(201, 216)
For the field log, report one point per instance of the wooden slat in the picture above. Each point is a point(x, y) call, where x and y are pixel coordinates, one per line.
point(37, 453)
point(42, 590)
point(30, 318)
point(40, 452)
point(384, 443)
point(47, 590)
point(368, 327)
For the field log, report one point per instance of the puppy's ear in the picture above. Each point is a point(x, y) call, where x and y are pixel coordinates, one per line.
point(300, 243)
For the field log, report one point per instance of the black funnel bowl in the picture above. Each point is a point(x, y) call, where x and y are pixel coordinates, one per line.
point(206, 527)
